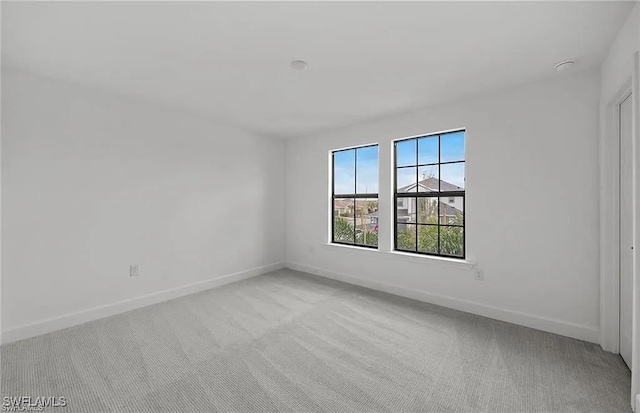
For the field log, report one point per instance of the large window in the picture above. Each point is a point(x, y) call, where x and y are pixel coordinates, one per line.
point(429, 194)
point(355, 196)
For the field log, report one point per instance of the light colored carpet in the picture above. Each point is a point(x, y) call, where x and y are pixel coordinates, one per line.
point(287, 341)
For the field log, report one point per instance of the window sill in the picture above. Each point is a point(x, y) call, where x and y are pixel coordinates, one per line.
point(354, 248)
point(446, 261)
point(459, 264)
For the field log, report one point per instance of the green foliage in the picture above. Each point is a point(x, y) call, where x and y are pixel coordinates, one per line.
point(342, 230)
point(428, 239)
point(451, 240)
point(407, 238)
point(367, 238)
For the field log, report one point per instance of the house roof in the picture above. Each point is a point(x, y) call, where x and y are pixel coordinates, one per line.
point(448, 209)
point(431, 185)
point(445, 209)
point(343, 203)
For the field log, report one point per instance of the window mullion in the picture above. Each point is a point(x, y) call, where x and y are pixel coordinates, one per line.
point(439, 188)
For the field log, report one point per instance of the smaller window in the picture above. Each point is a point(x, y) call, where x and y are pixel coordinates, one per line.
point(354, 196)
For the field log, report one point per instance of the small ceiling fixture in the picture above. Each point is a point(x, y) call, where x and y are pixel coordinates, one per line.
point(564, 65)
point(299, 64)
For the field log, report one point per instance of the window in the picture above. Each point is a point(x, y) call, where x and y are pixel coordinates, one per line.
point(429, 194)
point(354, 196)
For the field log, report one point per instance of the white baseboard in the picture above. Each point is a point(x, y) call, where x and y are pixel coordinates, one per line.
point(73, 319)
point(580, 332)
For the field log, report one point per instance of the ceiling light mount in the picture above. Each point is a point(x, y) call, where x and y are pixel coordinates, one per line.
point(299, 65)
point(564, 65)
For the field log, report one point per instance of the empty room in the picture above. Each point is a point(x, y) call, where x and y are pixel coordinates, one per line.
point(320, 206)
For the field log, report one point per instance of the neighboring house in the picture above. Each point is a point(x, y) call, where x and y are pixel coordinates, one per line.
point(366, 214)
point(343, 207)
point(449, 206)
point(372, 221)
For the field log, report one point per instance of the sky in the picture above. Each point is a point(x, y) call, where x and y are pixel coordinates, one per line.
point(364, 179)
point(452, 149)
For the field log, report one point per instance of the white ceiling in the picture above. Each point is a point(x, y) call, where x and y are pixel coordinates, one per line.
point(230, 61)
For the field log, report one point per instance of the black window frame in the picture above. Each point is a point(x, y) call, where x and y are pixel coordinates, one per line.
point(355, 195)
point(438, 195)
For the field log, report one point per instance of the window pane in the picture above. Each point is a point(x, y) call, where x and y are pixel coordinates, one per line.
point(452, 147)
point(452, 178)
point(428, 238)
point(451, 210)
point(428, 150)
point(406, 236)
point(343, 219)
point(344, 168)
point(427, 210)
point(406, 152)
point(367, 222)
point(406, 179)
point(451, 241)
point(428, 178)
point(406, 210)
point(367, 170)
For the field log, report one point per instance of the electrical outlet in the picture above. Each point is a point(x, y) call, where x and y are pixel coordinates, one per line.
point(134, 271)
point(311, 249)
point(478, 274)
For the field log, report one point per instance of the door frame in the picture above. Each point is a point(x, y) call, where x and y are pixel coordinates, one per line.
point(610, 221)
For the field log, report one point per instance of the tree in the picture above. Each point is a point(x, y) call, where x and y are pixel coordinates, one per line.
point(407, 238)
point(451, 240)
point(342, 230)
point(428, 238)
point(372, 206)
point(367, 238)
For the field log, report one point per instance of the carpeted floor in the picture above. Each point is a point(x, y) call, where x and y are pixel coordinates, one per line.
point(287, 341)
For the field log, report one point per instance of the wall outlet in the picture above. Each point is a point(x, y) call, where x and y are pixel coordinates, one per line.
point(311, 249)
point(134, 270)
point(478, 274)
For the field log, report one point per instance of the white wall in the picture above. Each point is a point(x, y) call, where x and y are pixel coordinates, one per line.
point(615, 73)
point(617, 68)
point(93, 183)
point(526, 144)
